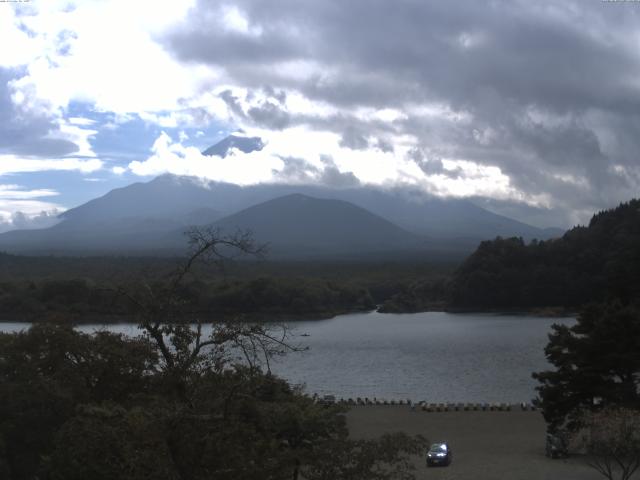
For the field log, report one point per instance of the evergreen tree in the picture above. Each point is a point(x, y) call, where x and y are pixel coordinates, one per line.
point(597, 363)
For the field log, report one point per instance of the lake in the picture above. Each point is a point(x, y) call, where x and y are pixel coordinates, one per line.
point(432, 356)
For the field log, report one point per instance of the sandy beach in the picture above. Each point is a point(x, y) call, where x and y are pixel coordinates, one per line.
point(486, 445)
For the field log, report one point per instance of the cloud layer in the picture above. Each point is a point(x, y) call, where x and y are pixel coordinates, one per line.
point(22, 208)
point(531, 108)
point(546, 93)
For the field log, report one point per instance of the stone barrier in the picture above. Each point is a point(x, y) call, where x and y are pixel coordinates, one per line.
point(437, 407)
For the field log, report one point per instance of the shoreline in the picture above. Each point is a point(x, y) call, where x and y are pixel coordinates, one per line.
point(114, 319)
point(547, 312)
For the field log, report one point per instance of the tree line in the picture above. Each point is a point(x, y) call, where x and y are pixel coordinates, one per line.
point(592, 394)
point(32, 289)
point(593, 263)
point(85, 300)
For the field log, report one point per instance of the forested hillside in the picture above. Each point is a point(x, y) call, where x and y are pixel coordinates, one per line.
point(587, 264)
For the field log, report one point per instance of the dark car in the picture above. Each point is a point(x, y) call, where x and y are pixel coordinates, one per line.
point(439, 454)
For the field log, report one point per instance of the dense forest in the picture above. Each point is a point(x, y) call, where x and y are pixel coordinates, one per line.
point(587, 264)
point(81, 300)
point(83, 289)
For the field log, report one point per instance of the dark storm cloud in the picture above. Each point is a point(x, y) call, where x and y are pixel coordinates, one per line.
point(298, 170)
point(384, 145)
point(204, 43)
point(427, 163)
point(548, 90)
point(270, 115)
point(354, 139)
point(233, 102)
point(23, 133)
point(333, 177)
point(523, 51)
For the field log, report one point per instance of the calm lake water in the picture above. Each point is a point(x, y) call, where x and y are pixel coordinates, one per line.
point(433, 356)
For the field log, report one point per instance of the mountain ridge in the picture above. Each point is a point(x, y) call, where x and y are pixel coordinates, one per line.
point(300, 225)
point(410, 210)
point(145, 216)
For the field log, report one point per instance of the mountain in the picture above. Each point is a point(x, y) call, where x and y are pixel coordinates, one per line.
point(143, 217)
point(168, 196)
point(173, 196)
point(445, 218)
point(242, 143)
point(302, 226)
point(293, 226)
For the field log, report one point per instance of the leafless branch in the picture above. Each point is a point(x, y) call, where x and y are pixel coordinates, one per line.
point(164, 314)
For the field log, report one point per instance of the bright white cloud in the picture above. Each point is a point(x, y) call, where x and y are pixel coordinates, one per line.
point(68, 130)
point(173, 157)
point(14, 164)
point(29, 207)
point(101, 52)
point(320, 150)
point(16, 192)
point(18, 48)
point(76, 54)
point(46, 216)
point(472, 179)
point(23, 208)
point(234, 20)
point(297, 103)
point(81, 122)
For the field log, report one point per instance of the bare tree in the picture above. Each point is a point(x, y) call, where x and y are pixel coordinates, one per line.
point(167, 315)
point(611, 439)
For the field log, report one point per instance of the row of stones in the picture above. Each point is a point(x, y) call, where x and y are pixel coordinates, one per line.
point(441, 407)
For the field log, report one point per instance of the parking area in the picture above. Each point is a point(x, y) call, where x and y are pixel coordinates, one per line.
point(487, 445)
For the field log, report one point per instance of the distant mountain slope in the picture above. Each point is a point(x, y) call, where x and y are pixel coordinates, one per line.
point(133, 235)
point(297, 225)
point(144, 217)
point(167, 196)
point(436, 217)
point(586, 264)
point(172, 197)
point(294, 226)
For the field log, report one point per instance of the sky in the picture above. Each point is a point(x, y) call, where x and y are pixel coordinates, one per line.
point(528, 108)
